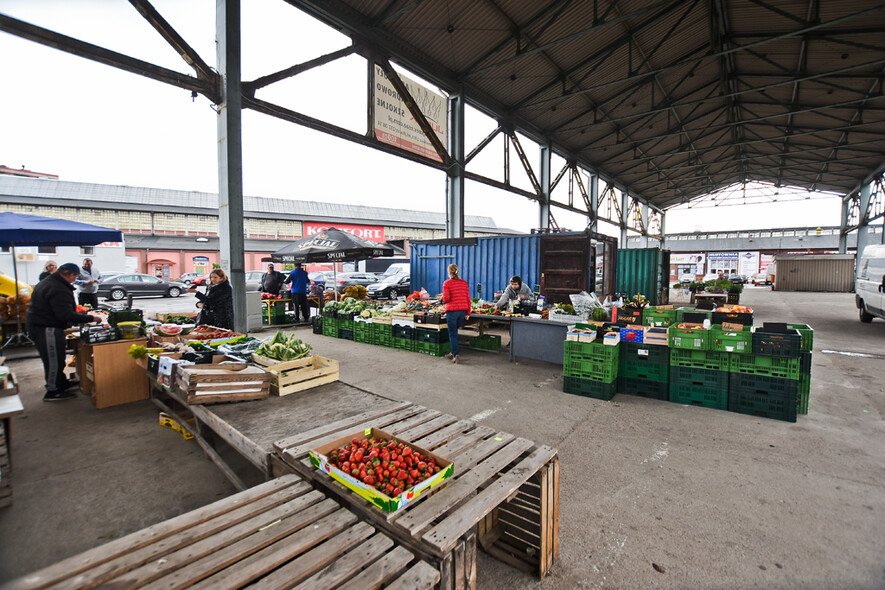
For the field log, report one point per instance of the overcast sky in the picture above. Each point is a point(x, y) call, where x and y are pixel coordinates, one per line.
point(88, 122)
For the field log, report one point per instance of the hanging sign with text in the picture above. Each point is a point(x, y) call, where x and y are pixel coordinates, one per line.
point(394, 123)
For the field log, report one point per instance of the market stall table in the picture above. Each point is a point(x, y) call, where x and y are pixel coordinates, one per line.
point(483, 319)
point(267, 309)
point(504, 492)
point(280, 534)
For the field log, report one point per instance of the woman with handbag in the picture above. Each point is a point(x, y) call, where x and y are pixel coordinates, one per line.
point(217, 304)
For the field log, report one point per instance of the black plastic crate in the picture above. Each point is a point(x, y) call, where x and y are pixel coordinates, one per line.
point(651, 353)
point(345, 334)
point(431, 336)
point(630, 315)
point(429, 318)
point(805, 363)
point(317, 323)
point(604, 390)
point(403, 332)
point(763, 384)
point(720, 317)
point(788, 344)
point(344, 316)
point(644, 388)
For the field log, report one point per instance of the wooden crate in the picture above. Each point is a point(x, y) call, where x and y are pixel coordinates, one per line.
point(213, 383)
point(294, 376)
point(278, 534)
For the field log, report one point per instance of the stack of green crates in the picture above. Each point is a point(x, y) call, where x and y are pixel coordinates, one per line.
point(345, 326)
point(330, 326)
point(432, 341)
point(403, 337)
point(590, 369)
point(362, 332)
point(698, 375)
point(807, 344)
point(381, 334)
point(766, 381)
point(486, 342)
point(644, 370)
point(276, 311)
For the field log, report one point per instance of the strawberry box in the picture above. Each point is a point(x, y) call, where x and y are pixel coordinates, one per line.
point(320, 458)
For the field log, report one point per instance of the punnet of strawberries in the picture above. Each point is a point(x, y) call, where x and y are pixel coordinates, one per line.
point(389, 466)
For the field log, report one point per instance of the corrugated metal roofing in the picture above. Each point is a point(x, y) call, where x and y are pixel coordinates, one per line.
point(671, 99)
point(158, 199)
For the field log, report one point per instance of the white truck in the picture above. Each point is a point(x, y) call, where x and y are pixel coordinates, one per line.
point(869, 284)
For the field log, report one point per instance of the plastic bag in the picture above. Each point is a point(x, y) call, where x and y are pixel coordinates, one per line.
point(584, 303)
point(424, 294)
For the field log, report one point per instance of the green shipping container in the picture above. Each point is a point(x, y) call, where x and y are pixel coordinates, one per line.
point(645, 271)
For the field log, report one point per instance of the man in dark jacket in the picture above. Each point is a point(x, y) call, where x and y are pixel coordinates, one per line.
point(52, 309)
point(272, 280)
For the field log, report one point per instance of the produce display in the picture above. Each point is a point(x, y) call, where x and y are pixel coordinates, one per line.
point(387, 465)
point(173, 329)
point(270, 296)
point(284, 348)
point(734, 309)
point(179, 319)
point(346, 305)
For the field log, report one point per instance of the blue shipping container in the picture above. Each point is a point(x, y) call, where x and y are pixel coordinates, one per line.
point(486, 261)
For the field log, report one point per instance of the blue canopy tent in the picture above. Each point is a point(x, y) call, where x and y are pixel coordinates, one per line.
point(18, 229)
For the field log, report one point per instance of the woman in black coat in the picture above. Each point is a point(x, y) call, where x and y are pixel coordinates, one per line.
point(217, 303)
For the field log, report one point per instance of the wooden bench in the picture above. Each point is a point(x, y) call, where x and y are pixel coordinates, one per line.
point(504, 492)
point(282, 533)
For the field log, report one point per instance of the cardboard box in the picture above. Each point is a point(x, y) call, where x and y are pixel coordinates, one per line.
point(319, 459)
point(611, 338)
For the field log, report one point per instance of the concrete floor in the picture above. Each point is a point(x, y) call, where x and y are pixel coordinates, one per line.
point(715, 499)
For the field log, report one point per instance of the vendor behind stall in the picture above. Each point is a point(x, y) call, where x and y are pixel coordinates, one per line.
point(516, 291)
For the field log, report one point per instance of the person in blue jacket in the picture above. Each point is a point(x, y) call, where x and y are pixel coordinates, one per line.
point(298, 281)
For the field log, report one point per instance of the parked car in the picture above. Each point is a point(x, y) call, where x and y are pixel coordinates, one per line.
point(390, 287)
point(347, 279)
point(320, 277)
point(760, 279)
point(187, 278)
point(710, 276)
point(253, 280)
point(869, 285)
point(738, 279)
point(201, 280)
point(138, 285)
point(687, 277)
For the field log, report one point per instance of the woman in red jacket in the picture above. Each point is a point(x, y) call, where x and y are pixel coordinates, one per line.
point(456, 296)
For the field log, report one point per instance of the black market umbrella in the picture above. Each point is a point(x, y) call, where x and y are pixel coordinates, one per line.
point(331, 245)
point(32, 230)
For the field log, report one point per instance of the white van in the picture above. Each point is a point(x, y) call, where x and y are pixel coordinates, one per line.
point(869, 284)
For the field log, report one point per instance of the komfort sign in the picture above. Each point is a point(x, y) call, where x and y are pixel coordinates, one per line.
point(394, 123)
point(373, 233)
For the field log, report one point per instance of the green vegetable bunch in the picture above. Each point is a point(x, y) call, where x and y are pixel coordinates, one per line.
point(284, 348)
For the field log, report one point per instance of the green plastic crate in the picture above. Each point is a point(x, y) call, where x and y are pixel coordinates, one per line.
point(768, 397)
point(736, 341)
point(362, 332)
point(644, 370)
point(699, 359)
point(485, 342)
point(591, 351)
point(383, 340)
point(590, 369)
point(330, 327)
point(696, 395)
point(432, 348)
point(770, 366)
point(651, 353)
point(705, 314)
point(644, 388)
point(807, 335)
point(699, 377)
point(381, 330)
point(804, 393)
point(403, 344)
point(690, 338)
point(658, 317)
point(587, 387)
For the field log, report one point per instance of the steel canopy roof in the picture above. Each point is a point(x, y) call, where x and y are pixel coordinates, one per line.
point(670, 100)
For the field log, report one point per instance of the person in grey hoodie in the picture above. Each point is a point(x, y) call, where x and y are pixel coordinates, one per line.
point(516, 291)
point(87, 283)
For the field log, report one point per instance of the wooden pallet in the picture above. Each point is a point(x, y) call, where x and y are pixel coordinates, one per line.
point(298, 375)
point(211, 383)
point(280, 534)
point(505, 489)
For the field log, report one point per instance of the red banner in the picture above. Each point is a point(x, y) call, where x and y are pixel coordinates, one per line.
point(373, 233)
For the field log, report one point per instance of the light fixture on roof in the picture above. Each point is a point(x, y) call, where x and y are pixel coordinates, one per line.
point(202, 239)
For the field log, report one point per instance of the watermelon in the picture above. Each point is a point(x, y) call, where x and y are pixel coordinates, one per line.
point(168, 329)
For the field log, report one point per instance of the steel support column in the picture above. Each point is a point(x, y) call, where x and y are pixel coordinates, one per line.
point(455, 173)
point(230, 155)
point(643, 211)
point(544, 180)
point(593, 181)
point(843, 236)
point(863, 224)
point(625, 214)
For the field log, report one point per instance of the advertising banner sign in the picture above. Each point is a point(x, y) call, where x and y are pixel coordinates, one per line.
point(373, 233)
point(394, 123)
point(749, 263)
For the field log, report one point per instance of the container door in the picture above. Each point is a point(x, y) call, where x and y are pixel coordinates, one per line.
point(565, 266)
